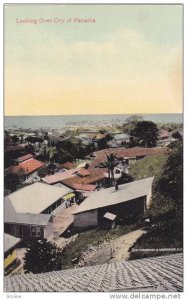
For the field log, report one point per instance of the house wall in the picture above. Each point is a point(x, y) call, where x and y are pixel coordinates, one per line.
point(48, 229)
point(23, 231)
point(125, 209)
point(86, 219)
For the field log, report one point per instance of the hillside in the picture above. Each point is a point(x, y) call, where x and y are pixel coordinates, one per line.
point(148, 166)
point(166, 210)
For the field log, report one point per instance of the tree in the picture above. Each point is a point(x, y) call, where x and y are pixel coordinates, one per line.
point(167, 199)
point(52, 152)
point(134, 119)
point(11, 182)
point(43, 171)
point(29, 148)
point(130, 123)
point(7, 138)
point(170, 182)
point(42, 256)
point(15, 138)
point(110, 164)
point(177, 135)
point(146, 133)
point(125, 178)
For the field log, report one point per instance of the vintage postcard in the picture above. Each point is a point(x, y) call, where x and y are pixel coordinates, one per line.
point(93, 148)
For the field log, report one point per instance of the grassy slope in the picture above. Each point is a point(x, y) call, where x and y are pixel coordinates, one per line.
point(155, 238)
point(148, 166)
point(92, 237)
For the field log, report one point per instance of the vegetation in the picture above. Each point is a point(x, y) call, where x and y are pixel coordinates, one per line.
point(134, 119)
point(177, 135)
point(67, 150)
point(125, 178)
point(145, 133)
point(42, 256)
point(170, 126)
point(168, 186)
point(166, 210)
point(110, 163)
point(130, 123)
point(148, 166)
point(93, 237)
point(11, 182)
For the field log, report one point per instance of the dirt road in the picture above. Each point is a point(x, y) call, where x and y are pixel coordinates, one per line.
point(121, 245)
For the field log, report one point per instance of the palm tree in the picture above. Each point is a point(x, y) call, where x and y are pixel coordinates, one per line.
point(110, 164)
point(52, 152)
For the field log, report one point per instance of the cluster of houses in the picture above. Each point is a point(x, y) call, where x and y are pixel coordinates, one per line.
point(29, 211)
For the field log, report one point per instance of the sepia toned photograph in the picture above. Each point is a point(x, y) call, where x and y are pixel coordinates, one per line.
point(93, 148)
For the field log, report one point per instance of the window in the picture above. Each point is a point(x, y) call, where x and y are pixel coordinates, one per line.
point(35, 231)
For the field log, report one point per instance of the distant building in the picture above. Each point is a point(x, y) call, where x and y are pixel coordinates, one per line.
point(10, 255)
point(79, 176)
point(59, 177)
point(26, 167)
point(86, 177)
point(163, 134)
point(100, 141)
point(128, 200)
point(87, 138)
point(24, 158)
point(118, 140)
point(122, 153)
point(16, 149)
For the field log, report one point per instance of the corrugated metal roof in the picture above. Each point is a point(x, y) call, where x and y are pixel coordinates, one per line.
point(36, 197)
point(11, 216)
point(33, 219)
point(110, 196)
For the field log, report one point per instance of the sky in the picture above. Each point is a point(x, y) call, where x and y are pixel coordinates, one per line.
point(128, 61)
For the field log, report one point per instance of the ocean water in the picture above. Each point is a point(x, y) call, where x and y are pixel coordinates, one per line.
point(59, 122)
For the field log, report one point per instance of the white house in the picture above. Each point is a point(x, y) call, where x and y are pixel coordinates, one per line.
point(127, 200)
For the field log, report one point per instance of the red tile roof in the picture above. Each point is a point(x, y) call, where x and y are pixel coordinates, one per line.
point(58, 177)
point(25, 168)
point(84, 187)
point(95, 175)
point(100, 136)
point(25, 157)
point(163, 134)
point(122, 152)
point(67, 165)
point(83, 172)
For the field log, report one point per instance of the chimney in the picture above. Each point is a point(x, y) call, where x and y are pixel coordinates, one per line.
point(116, 186)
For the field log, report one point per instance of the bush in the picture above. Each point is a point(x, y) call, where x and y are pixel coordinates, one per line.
point(42, 256)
